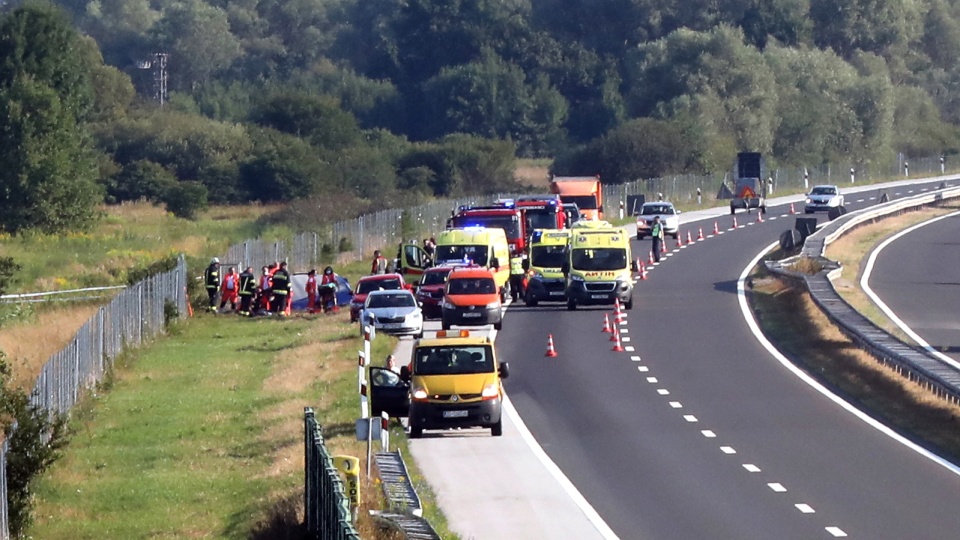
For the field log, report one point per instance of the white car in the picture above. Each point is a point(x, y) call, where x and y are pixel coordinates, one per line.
point(669, 217)
point(823, 198)
point(393, 312)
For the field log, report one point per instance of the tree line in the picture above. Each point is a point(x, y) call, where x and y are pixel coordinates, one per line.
point(393, 101)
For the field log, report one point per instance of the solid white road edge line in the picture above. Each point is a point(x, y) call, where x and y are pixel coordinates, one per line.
point(557, 474)
point(752, 323)
point(865, 284)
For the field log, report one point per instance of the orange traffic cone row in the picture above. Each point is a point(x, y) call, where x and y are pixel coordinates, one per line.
point(700, 234)
point(716, 228)
point(690, 238)
point(734, 222)
point(606, 324)
point(792, 210)
point(617, 347)
point(551, 352)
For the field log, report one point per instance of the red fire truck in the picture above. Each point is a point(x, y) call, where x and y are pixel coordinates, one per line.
point(542, 212)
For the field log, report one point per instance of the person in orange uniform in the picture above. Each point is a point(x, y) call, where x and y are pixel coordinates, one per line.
point(266, 280)
point(229, 289)
point(311, 288)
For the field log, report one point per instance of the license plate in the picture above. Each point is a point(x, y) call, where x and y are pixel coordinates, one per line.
point(598, 296)
point(472, 315)
point(454, 414)
point(556, 293)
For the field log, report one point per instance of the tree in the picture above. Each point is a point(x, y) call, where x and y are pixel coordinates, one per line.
point(185, 199)
point(197, 36)
point(141, 179)
point(871, 25)
point(47, 164)
point(318, 119)
point(283, 167)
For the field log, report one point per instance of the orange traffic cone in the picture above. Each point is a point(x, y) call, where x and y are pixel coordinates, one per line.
point(650, 260)
point(679, 239)
point(716, 228)
point(617, 314)
point(617, 347)
point(663, 247)
point(792, 210)
point(759, 216)
point(643, 270)
point(734, 222)
point(606, 324)
point(700, 234)
point(689, 238)
point(551, 352)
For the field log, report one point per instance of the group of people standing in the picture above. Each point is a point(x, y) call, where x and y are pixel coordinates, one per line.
point(247, 294)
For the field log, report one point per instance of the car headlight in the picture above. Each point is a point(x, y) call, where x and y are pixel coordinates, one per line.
point(809, 200)
point(493, 305)
point(447, 305)
point(415, 315)
point(419, 394)
point(575, 277)
point(490, 391)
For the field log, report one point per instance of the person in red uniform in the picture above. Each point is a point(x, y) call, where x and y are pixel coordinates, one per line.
point(229, 289)
point(311, 289)
point(264, 289)
point(328, 291)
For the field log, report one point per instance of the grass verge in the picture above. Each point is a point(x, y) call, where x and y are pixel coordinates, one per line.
point(795, 325)
point(200, 435)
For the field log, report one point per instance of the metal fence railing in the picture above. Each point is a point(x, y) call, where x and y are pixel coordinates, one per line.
point(134, 315)
point(326, 506)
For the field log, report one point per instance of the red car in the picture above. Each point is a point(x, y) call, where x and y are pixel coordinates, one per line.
point(377, 282)
point(430, 290)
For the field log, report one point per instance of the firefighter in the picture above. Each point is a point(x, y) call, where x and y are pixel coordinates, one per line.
point(280, 284)
point(211, 278)
point(229, 289)
point(311, 288)
point(379, 265)
point(328, 291)
point(248, 288)
point(264, 288)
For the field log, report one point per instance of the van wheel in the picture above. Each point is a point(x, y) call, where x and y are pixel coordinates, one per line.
point(497, 429)
point(530, 300)
point(505, 292)
point(571, 305)
point(416, 432)
point(629, 303)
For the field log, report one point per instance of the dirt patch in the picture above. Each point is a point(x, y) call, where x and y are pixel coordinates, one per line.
point(533, 173)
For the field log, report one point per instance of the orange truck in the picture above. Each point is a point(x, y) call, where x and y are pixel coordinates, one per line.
point(585, 191)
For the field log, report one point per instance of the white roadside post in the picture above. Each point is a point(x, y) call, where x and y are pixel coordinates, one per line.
point(906, 169)
point(853, 175)
point(384, 431)
point(943, 163)
point(362, 383)
point(806, 179)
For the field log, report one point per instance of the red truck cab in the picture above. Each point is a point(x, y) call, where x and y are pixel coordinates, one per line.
point(542, 212)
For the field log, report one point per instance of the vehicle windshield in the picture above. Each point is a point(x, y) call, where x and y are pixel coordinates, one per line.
point(471, 286)
point(542, 219)
point(364, 287)
point(453, 360)
point(583, 202)
point(435, 278)
point(821, 190)
point(548, 256)
point(509, 224)
point(460, 253)
point(655, 209)
point(391, 301)
point(600, 259)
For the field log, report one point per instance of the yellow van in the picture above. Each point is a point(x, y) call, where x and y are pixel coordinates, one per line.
point(599, 267)
point(480, 246)
point(544, 263)
point(592, 224)
point(455, 382)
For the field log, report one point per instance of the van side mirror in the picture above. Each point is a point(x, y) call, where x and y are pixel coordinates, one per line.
point(526, 264)
point(495, 263)
point(405, 373)
point(504, 370)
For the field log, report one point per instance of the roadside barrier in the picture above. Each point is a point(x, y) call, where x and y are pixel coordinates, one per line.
point(326, 504)
point(918, 365)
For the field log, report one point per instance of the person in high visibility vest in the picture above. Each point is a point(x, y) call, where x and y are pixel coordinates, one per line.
point(516, 277)
point(264, 288)
point(311, 288)
point(211, 278)
point(379, 265)
point(248, 289)
point(229, 289)
point(280, 284)
point(656, 234)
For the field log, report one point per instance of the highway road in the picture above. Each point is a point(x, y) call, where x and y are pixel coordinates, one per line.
point(697, 432)
point(917, 276)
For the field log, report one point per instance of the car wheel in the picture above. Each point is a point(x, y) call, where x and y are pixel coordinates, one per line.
point(675, 235)
point(416, 432)
point(732, 210)
point(497, 429)
point(629, 303)
point(498, 325)
point(571, 305)
point(639, 237)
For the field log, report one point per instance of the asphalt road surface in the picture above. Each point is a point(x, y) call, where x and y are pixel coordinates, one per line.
point(699, 432)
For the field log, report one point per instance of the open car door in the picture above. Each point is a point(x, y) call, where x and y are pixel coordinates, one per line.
point(388, 393)
point(413, 261)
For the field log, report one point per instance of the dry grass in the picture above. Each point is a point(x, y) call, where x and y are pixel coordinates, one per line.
point(851, 251)
point(533, 172)
point(29, 346)
point(801, 331)
point(806, 265)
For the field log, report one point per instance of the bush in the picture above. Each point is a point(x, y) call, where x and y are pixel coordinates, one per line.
point(8, 269)
point(185, 199)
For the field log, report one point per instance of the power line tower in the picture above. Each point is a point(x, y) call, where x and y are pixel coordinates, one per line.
point(157, 63)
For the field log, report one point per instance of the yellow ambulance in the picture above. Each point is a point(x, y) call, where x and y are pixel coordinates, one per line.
point(481, 246)
point(598, 267)
point(544, 263)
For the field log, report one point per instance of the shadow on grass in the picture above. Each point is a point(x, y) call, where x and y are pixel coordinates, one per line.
point(282, 521)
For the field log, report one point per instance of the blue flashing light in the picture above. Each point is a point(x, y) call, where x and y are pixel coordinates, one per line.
point(472, 227)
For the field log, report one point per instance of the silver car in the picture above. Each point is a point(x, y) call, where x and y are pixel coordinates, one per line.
point(669, 218)
point(823, 198)
point(393, 312)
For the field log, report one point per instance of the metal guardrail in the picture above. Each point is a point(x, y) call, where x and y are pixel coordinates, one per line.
point(404, 511)
point(326, 506)
point(133, 316)
point(914, 363)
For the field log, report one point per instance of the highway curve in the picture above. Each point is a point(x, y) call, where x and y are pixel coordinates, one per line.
point(917, 276)
point(699, 432)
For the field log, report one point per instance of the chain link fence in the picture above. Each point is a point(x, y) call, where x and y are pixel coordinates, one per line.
point(326, 506)
point(135, 315)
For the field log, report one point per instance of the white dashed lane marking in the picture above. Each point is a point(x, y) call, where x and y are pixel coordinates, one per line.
point(728, 450)
point(805, 508)
point(777, 487)
point(643, 369)
point(635, 358)
point(676, 404)
point(873, 198)
point(690, 418)
point(663, 391)
point(773, 218)
point(624, 330)
point(750, 467)
point(708, 434)
point(629, 348)
point(625, 339)
point(652, 380)
point(859, 200)
point(837, 532)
